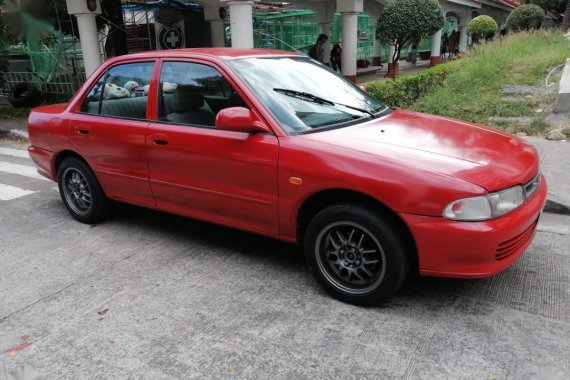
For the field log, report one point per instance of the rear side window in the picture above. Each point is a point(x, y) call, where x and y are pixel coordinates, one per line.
point(193, 94)
point(121, 92)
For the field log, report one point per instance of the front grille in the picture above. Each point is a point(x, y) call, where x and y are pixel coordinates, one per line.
point(508, 247)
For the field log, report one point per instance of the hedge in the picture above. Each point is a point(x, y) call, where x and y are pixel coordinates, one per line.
point(525, 17)
point(482, 27)
point(406, 90)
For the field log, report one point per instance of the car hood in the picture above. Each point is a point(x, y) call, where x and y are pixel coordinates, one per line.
point(476, 154)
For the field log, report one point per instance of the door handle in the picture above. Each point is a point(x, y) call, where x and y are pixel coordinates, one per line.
point(160, 139)
point(82, 129)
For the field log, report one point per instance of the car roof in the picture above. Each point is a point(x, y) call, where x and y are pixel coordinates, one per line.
point(219, 53)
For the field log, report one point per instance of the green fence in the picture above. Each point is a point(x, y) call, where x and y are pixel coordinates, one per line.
point(298, 30)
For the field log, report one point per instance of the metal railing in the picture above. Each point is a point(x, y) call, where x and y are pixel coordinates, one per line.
point(58, 83)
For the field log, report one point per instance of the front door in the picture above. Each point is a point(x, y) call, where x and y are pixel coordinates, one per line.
point(222, 176)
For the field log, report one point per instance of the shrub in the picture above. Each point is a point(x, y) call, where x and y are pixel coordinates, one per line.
point(404, 20)
point(482, 27)
point(405, 91)
point(525, 17)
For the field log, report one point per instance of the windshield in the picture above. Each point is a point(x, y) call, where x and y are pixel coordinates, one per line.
point(304, 96)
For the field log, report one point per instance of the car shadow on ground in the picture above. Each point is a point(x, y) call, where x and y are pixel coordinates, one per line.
point(273, 252)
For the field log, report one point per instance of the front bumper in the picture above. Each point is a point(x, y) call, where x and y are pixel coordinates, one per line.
point(475, 249)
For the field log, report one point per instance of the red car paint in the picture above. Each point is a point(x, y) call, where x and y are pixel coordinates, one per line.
point(414, 164)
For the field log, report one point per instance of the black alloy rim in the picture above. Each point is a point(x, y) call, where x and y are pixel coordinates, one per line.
point(76, 191)
point(350, 257)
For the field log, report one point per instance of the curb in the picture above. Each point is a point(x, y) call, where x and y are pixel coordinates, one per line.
point(16, 134)
point(557, 205)
point(20, 134)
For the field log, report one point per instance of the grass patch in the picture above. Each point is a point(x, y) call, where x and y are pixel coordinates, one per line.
point(537, 126)
point(471, 90)
point(7, 113)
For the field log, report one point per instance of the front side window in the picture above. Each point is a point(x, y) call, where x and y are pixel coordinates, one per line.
point(193, 94)
point(302, 95)
point(121, 92)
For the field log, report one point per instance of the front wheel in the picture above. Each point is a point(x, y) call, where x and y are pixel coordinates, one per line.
point(81, 192)
point(358, 255)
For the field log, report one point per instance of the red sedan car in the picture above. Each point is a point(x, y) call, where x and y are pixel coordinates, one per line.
point(277, 144)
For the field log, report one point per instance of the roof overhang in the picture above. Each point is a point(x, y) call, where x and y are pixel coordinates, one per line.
point(467, 3)
point(507, 5)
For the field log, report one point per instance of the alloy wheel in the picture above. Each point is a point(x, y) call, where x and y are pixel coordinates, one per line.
point(350, 257)
point(76, 191)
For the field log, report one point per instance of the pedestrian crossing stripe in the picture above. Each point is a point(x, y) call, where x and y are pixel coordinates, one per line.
point(23, 170)
point(14, 152)
point(8, 192)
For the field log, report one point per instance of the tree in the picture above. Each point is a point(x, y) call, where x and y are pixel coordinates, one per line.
point(525, 17)
point(557, 6)
point(404, 20)
point(482, 27)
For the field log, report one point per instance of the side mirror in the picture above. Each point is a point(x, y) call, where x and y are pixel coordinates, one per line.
point(239, 119)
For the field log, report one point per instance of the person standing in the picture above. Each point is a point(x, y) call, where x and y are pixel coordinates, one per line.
point(318, 50)
point(444, 45)
point(414, 50)
point(335, 58)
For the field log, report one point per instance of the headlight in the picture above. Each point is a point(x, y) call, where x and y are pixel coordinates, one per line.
point(506, 201)
point(485, 207)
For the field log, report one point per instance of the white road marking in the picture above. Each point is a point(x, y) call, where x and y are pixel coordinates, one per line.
point(8, 192)
point(24, 170)
point(14, 152)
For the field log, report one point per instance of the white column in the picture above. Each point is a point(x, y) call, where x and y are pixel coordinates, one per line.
point(326, 29)
point(435, 48)
point(462, 38)
point(376, 45)
point(89, 42)
point(241, 23)
point(393, 68)
point(349, 41)
point(217, 33)
point(376, 52)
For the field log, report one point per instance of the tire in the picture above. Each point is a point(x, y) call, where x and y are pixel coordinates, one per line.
point(24, 94)
point(359, 256)
point(81, 193)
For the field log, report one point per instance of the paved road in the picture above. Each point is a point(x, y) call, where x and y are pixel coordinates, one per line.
point(153, 296)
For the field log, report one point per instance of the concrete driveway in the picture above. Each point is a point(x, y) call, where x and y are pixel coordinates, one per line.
point(148, 295)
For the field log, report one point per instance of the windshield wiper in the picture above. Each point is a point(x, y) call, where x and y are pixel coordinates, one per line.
point(317, 99)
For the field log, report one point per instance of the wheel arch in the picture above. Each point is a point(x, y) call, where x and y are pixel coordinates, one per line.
point(61, 156)
point(324, 198)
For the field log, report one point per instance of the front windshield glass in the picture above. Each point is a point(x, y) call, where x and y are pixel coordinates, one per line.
point(304, 96)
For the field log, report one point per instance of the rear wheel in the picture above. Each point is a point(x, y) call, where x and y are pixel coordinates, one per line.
point(81, 192)
point(358, 255)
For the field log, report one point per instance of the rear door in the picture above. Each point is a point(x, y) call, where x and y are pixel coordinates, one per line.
point(109, 131)
point(221, 176)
